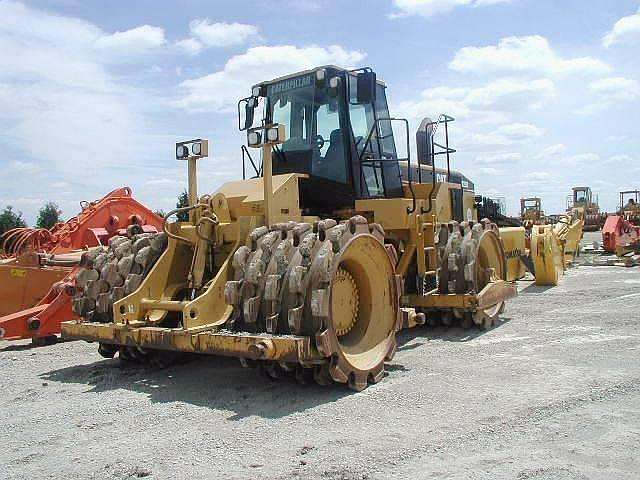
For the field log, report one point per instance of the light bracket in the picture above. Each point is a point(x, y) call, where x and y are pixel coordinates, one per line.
point(270, 135)
point(192, 149)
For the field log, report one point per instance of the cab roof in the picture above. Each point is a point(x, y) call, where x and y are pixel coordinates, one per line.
point(312, 70)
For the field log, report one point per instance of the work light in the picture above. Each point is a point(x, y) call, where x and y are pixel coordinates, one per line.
point(254, 139)
point(196, 148)
point(182, 151)
point(272, 134)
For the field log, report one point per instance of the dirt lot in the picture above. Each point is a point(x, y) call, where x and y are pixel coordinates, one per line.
point(551, 393)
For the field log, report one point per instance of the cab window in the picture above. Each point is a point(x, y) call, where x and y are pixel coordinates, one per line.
point(329, 154)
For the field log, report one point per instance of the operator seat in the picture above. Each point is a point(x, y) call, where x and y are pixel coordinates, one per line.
point(333, 165)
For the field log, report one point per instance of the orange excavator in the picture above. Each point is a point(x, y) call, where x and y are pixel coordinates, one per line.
point(621, 232)
point(38, 273)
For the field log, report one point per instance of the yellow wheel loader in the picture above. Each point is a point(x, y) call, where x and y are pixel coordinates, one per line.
point(336, 243)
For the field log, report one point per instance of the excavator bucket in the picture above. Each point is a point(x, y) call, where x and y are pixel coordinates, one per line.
point(38, 280)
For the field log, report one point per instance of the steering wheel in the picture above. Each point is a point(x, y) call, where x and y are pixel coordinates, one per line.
point(319, 141)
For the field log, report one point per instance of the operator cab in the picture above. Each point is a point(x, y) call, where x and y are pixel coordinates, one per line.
point(339, 132)
point(334, 131)
point(581, 196)
point(531, 204)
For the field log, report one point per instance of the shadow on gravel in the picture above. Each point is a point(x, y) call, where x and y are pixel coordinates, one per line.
point(17, 347)
point(220, 383)
point(447, 334)
point(533, 289)
point(213, 382)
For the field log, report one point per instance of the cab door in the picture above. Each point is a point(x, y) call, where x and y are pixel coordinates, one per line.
point(374, 158)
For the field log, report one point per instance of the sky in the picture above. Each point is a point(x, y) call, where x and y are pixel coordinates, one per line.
point(94, 95)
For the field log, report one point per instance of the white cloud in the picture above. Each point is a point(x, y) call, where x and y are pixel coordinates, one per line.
point(491, 171)
point(618, 89)
point(430, 8)
point(220, 91)
point(625, 30)
point(487, 103)
point(221, 34)
point(432, 107)
point(610, 93)
point(551, 151)
point(538, 175)
point(20, 167)
point(190, 46)
point(64, 110)
point(622, 160)
point(164, 181)
point(519, 131)
point(508, 134)
point(435, 101)
point(305, 6)
point(510, 93)
point(24, 202)
point(616, 138)
point(585, 159)
point(531, 54)
point(137, 41)
point(498, 158)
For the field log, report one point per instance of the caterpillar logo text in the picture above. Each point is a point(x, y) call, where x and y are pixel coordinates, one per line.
point(515, 253)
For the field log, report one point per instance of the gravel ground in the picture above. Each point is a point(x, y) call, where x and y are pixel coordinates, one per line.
point(553, 392)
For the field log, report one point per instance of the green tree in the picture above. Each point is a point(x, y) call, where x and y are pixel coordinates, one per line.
point(183, 201)
point(10, 219)
point(160, 212)
point(48, 215)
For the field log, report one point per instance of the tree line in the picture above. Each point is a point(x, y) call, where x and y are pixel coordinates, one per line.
point(48, 216)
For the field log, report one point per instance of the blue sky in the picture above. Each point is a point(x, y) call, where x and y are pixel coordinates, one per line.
point(94, 95)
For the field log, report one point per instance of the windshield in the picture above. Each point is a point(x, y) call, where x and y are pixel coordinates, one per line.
point(313, 138)
point(581, 196)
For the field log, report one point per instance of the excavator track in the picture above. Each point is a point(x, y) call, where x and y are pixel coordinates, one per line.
point(303, 279)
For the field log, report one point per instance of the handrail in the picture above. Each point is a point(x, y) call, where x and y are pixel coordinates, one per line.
point(446, 150)
point(364, 146)
point(244, 150)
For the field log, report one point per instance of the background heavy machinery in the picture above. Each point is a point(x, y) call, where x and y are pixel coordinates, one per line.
point(531, 212)
point(561, 241)
point(495, 209)
point(38, 279)
point(311, 267)
point(546, 250)
point(530, 245)
point(582, 198)
point(621, 232)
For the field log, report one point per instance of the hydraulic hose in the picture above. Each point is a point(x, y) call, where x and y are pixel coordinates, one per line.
point(174, 212)
point(213, 221)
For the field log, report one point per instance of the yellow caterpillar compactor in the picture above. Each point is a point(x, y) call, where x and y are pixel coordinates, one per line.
point(314, 264)
point(551, 242)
